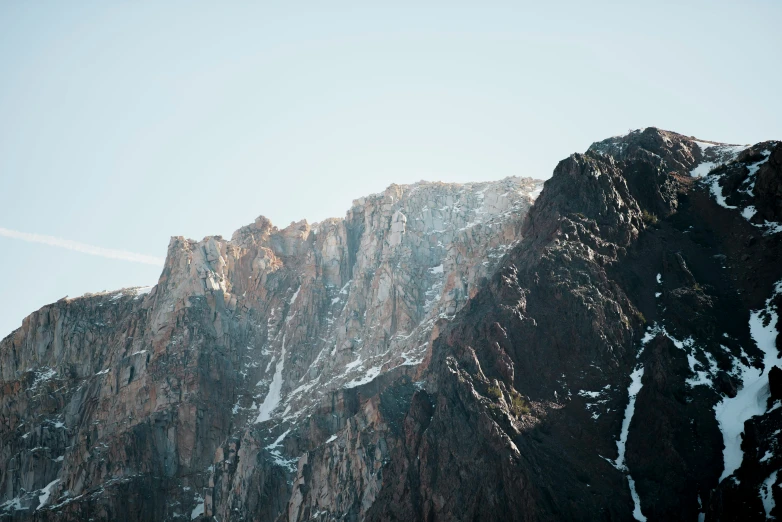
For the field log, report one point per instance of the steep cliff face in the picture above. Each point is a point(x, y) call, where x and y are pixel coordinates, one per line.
point(439, 354)
point(198, 396)
point(620, 362)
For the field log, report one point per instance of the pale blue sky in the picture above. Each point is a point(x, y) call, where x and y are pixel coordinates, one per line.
point(124, 124)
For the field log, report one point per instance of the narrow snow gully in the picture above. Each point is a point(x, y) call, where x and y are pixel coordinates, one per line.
point(274, 396)
point(767, 496)
point(621, 443)
point(732, 413)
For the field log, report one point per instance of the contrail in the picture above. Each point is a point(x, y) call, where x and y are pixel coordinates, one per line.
point(82, 247)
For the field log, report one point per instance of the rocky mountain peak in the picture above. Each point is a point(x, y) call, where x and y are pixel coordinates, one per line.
point(605, 347)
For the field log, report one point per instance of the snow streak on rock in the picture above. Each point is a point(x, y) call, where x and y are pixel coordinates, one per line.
point(636, 501)
point(273, 397)
point(621, 444)
point(732, 413)
point(632, 392)
point(46, 493)
point(719, 154)
point(767, 495)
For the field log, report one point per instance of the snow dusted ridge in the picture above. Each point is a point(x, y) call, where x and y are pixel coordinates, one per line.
point(132, 291)
point(714, 177)
point(718, 154)
point(732, 413)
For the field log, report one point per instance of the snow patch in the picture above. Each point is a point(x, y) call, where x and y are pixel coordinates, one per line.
point(536, 192)
point(632, 392)
point(636, 501)
point(304, 387)
point(274, 396)
point(295, 295)
point(703, 169)
point(766, 494)
point(701, 377)
point(351, 365)
point(732, 413)
point(368, 377)
point(277, 457)
point(716, 191)
point(724, 153)
point(14, 503)
point(704, 145)
point(278, 441)
point(43, 376)
point(198, 510)
point(46, 492)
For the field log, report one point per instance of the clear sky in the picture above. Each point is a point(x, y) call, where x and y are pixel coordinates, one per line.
point(124, 123)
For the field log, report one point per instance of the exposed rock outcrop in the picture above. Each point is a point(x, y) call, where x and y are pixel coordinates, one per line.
point(246, 354)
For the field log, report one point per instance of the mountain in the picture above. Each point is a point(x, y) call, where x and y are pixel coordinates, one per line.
point(119, 404)
point(445, 352)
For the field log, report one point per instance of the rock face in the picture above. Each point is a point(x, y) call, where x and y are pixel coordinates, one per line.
point(445, 352)
point(617, 364)
point(200, 394)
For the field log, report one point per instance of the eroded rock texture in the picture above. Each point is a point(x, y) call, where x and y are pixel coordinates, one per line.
point(199, 396)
